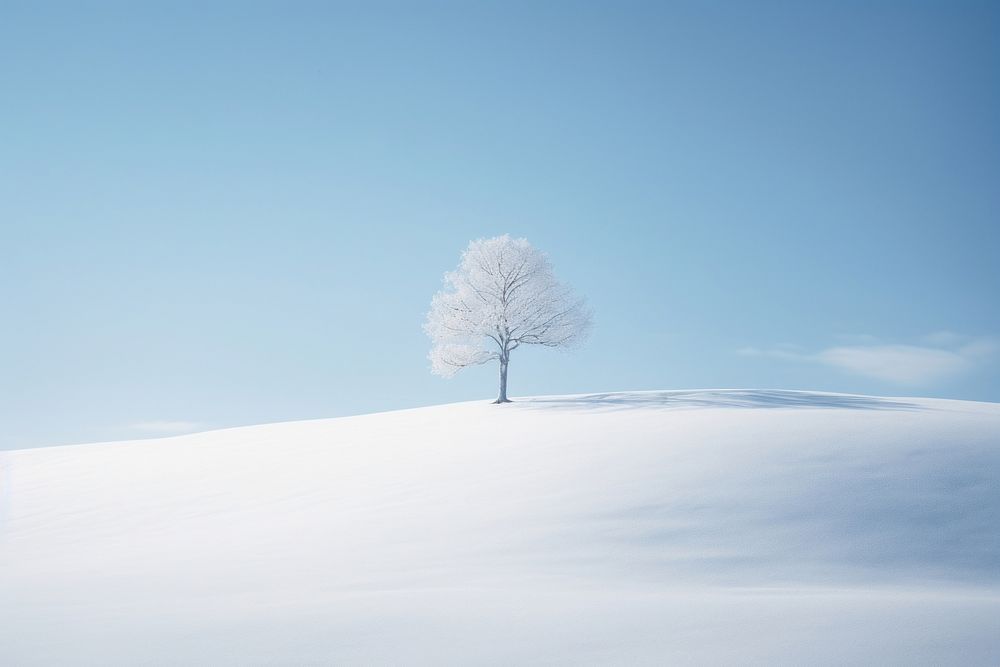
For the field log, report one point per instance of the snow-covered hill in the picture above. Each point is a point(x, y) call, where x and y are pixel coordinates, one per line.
point(701, 527)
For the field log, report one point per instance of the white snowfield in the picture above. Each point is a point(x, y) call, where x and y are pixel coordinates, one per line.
point(661, 528)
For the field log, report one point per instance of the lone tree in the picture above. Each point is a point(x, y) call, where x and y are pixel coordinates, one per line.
point(502, 295)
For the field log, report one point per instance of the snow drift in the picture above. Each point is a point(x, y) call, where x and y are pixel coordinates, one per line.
point(628, 528)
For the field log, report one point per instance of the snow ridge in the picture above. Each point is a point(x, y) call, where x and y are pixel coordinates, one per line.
point(680, 527)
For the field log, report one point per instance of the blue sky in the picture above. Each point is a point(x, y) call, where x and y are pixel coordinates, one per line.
point(215, 214)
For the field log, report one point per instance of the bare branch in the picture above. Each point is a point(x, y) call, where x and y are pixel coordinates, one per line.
point(503, 295)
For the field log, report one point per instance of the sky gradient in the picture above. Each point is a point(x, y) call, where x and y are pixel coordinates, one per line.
point(215, 214)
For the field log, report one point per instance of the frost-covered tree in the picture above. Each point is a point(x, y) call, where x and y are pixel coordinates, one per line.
point(502, 295)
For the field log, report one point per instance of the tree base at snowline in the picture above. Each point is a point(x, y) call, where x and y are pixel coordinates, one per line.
point(502, 400)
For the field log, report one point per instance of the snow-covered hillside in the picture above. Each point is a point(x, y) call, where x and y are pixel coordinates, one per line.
point(701, 527)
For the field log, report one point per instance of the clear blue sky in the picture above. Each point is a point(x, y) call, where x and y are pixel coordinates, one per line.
point(215, 214)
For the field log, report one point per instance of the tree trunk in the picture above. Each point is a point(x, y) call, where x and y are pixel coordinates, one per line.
point(502, 398)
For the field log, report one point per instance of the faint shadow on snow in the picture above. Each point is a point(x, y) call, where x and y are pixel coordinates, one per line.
point(720, 398)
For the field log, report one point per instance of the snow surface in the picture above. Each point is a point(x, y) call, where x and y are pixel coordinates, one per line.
point(697, 527)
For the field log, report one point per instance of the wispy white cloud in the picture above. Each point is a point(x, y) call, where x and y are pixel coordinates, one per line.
point(902, 364)
point(166, 427)
point(940, 355)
